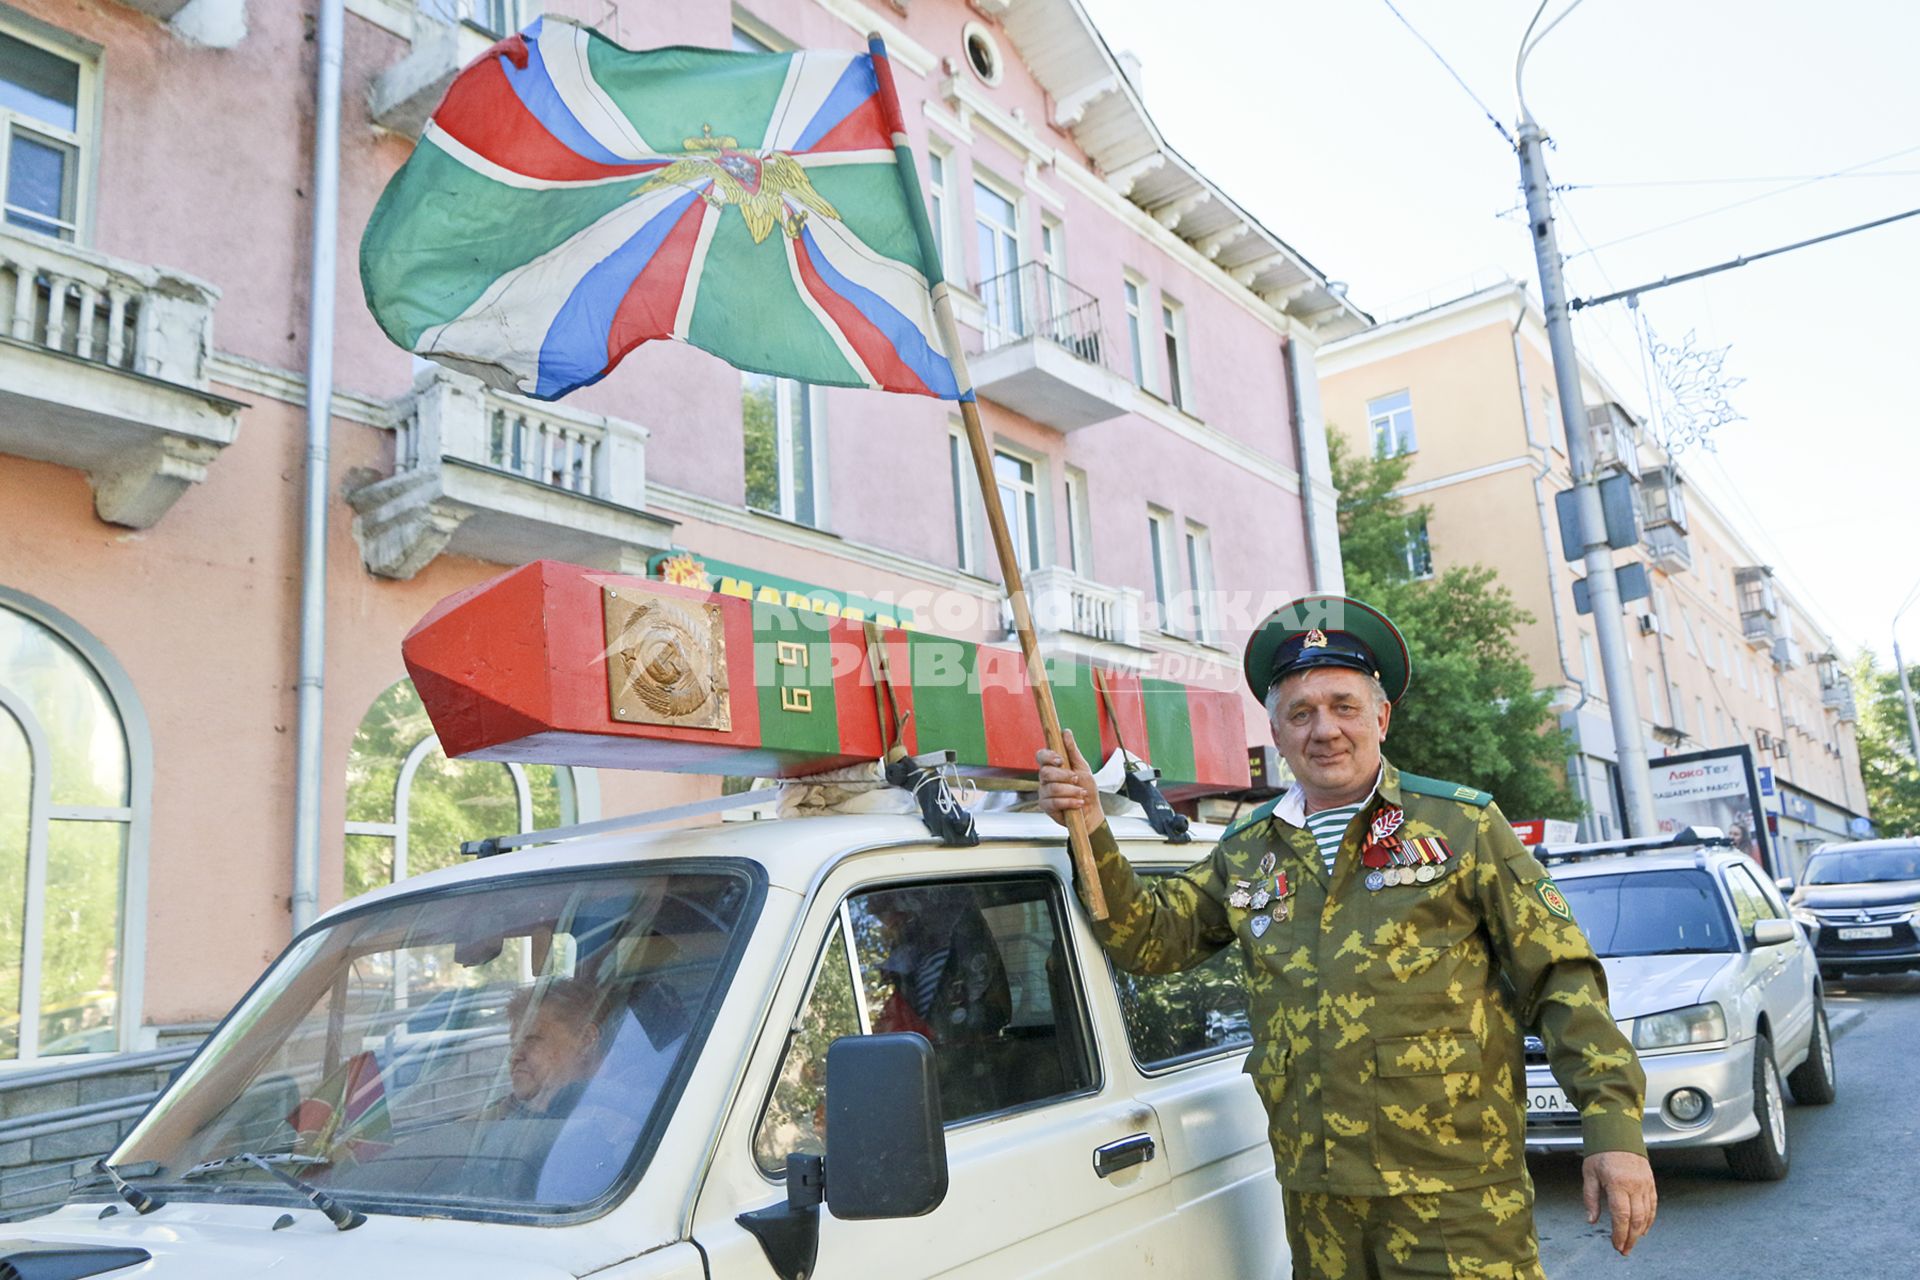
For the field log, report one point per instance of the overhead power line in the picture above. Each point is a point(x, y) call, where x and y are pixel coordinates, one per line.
point(1802, 178)
point(1485, 110)
point(1664, 281)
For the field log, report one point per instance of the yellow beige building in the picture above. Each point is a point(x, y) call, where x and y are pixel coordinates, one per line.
point(1723, 655)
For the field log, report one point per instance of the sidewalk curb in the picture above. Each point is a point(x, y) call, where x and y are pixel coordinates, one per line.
point(1845, 1022)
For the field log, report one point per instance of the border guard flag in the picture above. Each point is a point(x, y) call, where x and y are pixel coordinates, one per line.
point(571, 199)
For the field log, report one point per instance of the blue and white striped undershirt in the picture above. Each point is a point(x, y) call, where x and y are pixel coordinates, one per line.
point(1329, 825)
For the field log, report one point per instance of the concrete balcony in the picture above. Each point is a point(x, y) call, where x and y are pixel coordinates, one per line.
point(405, 94)
point(103, 369)
point(1668, 548)
point(1044, 352)
point(488, 475)
point(1084, 619)
point(1838, 698)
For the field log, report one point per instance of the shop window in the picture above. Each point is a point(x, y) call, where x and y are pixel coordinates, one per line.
point(69, 818)
point(409, 807)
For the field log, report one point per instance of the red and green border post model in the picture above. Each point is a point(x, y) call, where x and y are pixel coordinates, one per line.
point(516, 669)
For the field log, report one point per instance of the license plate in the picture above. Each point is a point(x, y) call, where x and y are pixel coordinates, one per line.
point(1866, 931)
point(1548, 1102)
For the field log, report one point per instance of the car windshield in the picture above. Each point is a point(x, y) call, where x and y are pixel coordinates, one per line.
point(508, 1047)
point(1864, 866)
point(1650, 913)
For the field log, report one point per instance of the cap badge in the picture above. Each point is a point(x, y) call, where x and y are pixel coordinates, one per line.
point(1316, 639)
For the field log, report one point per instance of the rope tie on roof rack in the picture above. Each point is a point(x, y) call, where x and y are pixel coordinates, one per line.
point(932, 781)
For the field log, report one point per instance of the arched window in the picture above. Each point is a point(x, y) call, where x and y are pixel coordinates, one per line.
point(72, 828)
point(409, 807)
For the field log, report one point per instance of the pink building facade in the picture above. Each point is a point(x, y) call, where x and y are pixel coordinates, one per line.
point(1144, 350)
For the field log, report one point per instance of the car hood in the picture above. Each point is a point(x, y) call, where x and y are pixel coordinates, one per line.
point(1639, 985)
point(1829, 897)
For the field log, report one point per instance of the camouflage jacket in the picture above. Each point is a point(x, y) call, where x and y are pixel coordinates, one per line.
point(1388, 1024)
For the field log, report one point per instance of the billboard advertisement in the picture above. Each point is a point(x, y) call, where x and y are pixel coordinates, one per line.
point(1716, 788)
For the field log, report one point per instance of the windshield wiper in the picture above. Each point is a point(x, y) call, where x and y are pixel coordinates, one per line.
point(143, 1202)
point(339, 1215)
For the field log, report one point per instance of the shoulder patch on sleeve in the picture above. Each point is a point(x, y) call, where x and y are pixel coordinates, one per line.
point(1260, 814)
point(1445, 790)
point(1552, 898)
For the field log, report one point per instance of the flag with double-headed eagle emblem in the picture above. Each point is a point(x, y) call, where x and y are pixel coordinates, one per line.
point(571, 199)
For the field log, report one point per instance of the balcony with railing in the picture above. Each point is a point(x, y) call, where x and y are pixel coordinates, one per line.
point(1073, 615)
point(1044, 351)
point(447, 36)
point(103, 369)
point(484, 474)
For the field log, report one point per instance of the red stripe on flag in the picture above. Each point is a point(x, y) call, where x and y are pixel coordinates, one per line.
point(872, 346)
point(1012, 721)
point(864, 129)
point(484, 114)
point(653, 299)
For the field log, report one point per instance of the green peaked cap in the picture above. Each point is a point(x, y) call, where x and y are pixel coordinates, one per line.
point(1327, 631)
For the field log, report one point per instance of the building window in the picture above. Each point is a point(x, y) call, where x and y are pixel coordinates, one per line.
point(1677, 705)
point(1700, 716)
point(996, 220)
point(1653, 696)
point(1020, 502)
point(782, 457)
point(983, 55)
point(1079, 524)
point(43, 126)
point(1134, 343)
point(1390, 422)
point(1160, 547)
point(1173, 327)
point(940, 207)
point(1419, 549)
point(745, 41)
point(409, 807)
point(1053, 256)
point(1686, 626)
point(1200, 581)
point(1588, 664)
point(965, 489)
point(71, 811)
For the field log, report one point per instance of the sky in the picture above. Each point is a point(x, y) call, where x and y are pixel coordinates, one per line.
point(1329, 121)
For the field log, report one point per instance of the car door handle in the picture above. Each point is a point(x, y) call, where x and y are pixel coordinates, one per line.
point(1124, 1154)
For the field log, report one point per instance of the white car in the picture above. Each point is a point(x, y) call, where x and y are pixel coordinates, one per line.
point(378, 1107)
point(1714, 984)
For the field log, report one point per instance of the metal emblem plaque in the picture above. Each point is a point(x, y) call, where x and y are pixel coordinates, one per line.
point(666, 660)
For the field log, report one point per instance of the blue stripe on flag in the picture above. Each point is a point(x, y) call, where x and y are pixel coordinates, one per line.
point(902, 333)
point(534, 87)
point(856, 84)
point(575, 351)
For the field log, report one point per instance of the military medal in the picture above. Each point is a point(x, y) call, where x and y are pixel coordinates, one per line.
point(1261, 897)
point(1266, 862)
point(1375, 881)
point(1280, 886)
point(1281, 910)
point(1259, 925)
point(1426, 873)
point(1240, 898)
point(1385, 823)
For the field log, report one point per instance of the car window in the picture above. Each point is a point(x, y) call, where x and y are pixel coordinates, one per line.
point(978, 967)
point(1749, 906)
point(1650, 913)
point(1865, 866)
point(1742, 880)
point(1178, 1017)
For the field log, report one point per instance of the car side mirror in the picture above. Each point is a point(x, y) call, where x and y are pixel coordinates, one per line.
point(1771, 933)
point(886, 1150)
point(1784, 884)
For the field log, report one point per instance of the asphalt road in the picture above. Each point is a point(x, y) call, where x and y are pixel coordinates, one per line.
point(1845, 1210)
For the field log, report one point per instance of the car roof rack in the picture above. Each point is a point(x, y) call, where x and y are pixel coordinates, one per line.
point(1685, 838)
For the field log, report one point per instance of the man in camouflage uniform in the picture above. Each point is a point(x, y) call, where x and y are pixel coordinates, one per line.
point(1400, 941)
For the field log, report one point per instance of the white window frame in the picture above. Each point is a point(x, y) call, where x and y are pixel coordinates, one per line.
point(1203, 616)
point(1079, 524)
point(1391, 416)
point(1025, 523)
point(1677, 704)
point(1653, 696)
point(1700, 712)
point(787, 394)
point(79, 141)
point(966, 500)
point(747, 30)
point(1160, 549)
point(1133, 293)
point(1419, 540)
point(940, 208)
point(135, 816)
point(1005, 315)
point(1173, 336)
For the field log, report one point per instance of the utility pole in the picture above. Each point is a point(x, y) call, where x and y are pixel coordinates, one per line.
point(1906, 696)
point(1602, 589)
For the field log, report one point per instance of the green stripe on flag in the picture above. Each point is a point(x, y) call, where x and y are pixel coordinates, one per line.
point(442, 234)
point(671, 95)
point(868, 198)
point(948, 713)
point(1169, 729)
point(749, 312)
point(793, 675)
point(1078, 704)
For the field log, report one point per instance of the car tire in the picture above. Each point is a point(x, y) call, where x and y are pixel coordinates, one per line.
point(1812, 1081)
point(1763, 1157)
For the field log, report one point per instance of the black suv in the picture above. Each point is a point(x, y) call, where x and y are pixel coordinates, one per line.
point(1861, 905)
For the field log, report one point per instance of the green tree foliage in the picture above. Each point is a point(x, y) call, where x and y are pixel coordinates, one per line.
point(1473, 714)
point(1886, 756)
point(759, 425)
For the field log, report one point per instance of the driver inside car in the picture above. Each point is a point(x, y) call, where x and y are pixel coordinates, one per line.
point(555, 1048)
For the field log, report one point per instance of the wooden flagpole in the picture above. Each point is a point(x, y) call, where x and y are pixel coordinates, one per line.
point(1078, 840)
